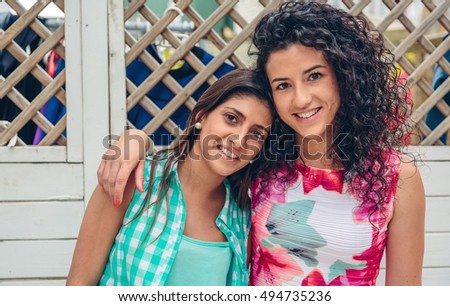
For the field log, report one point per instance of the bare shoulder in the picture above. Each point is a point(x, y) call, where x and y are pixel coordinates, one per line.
point(409, 174)
point(410, 195)
point(405, 240)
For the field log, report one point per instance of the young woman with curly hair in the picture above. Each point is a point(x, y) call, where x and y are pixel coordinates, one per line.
point(336, 192)
point(328, 209)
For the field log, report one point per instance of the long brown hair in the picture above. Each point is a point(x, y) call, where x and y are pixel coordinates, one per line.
point(239, 82)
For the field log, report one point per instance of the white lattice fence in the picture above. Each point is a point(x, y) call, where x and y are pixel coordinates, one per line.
point(430, 53)
point(182, 51)
point(416, 40)
point(44, 188)
point(29, 63)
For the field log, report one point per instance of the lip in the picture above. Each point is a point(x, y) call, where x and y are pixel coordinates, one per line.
point(311, 117)
point(227, 157)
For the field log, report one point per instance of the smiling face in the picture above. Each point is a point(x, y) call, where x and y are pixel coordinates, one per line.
point(233, 134)
point(305, 90)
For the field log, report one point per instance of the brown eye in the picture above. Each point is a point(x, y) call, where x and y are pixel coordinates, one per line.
point(315, 76)
point(282, 86)
point(258, 135)
point(232, 118)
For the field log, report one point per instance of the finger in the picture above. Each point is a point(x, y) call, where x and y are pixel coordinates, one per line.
point(121, 182)
point(139, 176)
point(100, 169)
point(105, 176)
point(112, 181)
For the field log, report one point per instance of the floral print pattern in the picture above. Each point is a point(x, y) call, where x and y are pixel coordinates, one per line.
point(316, 230)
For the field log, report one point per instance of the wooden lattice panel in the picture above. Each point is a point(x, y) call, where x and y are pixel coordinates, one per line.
point(183, 51)
point(30, 63)
point(416, 40)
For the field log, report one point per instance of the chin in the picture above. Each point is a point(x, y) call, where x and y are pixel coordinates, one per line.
point(227, 171)
point(311, 133)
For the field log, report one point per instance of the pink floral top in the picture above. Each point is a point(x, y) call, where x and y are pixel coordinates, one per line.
point(315, 231)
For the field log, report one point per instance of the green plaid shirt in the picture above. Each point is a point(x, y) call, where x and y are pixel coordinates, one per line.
point(133, 260)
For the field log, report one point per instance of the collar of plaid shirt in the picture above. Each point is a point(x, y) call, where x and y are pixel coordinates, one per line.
point(132, 262)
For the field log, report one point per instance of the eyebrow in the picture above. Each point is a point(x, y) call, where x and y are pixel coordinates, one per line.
point(236, 111)
point(243, 116)
point(312, 68)
point(304, 72)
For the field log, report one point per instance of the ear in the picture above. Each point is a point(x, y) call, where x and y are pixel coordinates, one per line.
point(200, 118)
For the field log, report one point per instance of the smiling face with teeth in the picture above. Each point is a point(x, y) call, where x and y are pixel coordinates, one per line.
point(305, 90)
point(233, 134)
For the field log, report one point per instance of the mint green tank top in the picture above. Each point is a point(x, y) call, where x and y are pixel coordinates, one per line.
point(200, 263)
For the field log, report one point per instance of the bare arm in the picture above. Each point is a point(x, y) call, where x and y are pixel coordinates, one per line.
point(405, 245)
point(125, 155)
point(101, 223)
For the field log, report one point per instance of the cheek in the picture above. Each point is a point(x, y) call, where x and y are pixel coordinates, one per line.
point(282, 108)
point(209, 141)
point(252, 147)
point(335, 106)
point(335, 96)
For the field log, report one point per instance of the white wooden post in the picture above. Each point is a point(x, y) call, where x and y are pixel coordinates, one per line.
point(95, 87)
point(117, 101)
point(74, 83)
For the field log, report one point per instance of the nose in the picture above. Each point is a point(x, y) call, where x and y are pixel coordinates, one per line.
point(302, 97)
point(244, 144)
point(237, 139)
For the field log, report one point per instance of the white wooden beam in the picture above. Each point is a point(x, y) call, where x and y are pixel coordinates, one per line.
point(41, 182)
point(431, 153)
point(95, 76)
point(40, 220)
point(74, 83)
point(117, 97)
point(35, 258)
point(33, 154)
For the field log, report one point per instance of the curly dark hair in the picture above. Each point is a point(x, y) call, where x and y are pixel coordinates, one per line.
point(374, 104)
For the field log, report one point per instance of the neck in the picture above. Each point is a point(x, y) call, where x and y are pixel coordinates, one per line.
point(195, 177)
point(315, 153)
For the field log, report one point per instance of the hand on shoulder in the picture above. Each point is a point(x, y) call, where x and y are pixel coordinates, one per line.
point(126, 155)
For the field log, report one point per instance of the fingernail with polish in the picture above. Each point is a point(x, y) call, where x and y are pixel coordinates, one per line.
point(116, 202)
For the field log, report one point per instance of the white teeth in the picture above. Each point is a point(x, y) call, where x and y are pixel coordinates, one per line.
point(228, 153)
point(308, 114)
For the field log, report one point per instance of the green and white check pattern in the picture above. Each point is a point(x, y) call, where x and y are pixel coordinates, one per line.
point(139, 260)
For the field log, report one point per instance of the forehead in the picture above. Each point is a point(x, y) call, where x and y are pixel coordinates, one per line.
point(249, 105)
point(294, 57)
point(245, 101)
